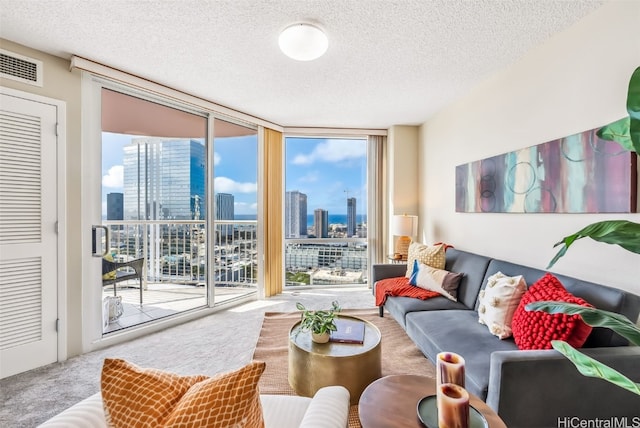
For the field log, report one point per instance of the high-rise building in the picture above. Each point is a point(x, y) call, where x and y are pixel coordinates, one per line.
point(351, 217)
point(321, 223)
point(164, 179)
point(224, 211)
point(115, 206)
point(224, 206)
point(295, 214)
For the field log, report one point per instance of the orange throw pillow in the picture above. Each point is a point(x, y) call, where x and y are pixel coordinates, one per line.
point(139, 397)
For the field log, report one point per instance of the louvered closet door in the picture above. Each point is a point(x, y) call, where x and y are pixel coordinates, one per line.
point(28, 265)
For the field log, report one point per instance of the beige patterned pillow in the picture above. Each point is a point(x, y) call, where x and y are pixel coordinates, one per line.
point(499, 301)
point(138, 397)
point(433, 256)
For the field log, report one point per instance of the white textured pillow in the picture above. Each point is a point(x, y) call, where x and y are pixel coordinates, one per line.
point(499, 301)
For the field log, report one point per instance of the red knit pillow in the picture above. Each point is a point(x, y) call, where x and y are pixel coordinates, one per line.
point(536, 329)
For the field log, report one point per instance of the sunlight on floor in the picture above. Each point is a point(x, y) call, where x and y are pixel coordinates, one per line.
point(255, 305)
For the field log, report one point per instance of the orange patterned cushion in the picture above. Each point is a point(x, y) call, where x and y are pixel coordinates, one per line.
point(138, 397)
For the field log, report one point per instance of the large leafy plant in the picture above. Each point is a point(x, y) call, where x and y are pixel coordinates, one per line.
point(626, 234)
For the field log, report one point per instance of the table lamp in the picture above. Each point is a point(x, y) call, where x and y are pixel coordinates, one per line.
point(404, 226)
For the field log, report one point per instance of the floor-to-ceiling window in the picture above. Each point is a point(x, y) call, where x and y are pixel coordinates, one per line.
point(325, 217)
point(235, 186)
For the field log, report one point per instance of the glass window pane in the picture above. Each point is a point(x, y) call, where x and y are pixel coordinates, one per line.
point(325, 210)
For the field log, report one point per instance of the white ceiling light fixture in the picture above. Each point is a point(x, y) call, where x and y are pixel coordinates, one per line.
point(303, 42)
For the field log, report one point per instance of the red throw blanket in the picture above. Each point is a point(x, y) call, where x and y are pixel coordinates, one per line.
point(400, 286)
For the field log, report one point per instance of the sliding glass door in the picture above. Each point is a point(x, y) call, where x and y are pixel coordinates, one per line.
point(153, 236)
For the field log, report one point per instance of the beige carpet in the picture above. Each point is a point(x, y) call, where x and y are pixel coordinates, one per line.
point(399, 354)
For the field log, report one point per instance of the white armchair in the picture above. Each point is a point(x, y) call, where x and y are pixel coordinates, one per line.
point(329, 408)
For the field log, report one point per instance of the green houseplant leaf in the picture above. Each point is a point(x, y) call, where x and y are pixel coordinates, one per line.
point(592, 316)
point(620, 232)
point(633, 107)
point(618, 131)
point(593, 368)
point(626, 131)
point(320, 321)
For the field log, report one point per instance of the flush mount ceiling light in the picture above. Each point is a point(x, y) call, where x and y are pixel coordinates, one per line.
point(303, 42)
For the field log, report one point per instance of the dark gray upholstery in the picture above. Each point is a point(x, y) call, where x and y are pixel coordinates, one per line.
point(526, 388)
point(533, 389)
point(473, 266)
point(400, 307)
point(463, 335)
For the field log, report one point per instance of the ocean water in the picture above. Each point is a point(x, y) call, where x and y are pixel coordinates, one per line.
point(333, 218)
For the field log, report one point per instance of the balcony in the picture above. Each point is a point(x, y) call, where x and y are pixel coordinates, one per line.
point(176, 265)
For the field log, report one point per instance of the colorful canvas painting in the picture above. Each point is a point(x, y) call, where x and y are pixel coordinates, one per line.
point(580, 173)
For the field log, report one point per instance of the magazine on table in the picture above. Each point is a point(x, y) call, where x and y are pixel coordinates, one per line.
point(349, 331)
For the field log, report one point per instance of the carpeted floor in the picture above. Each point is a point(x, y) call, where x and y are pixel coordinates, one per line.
point(213, 344)
point(399, 354)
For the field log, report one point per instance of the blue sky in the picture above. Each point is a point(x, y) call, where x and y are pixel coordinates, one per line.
point(326, 170)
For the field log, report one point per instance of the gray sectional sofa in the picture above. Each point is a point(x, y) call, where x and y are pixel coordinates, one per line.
point(526, 388)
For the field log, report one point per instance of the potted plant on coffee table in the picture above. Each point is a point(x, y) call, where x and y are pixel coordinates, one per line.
point(319, 322)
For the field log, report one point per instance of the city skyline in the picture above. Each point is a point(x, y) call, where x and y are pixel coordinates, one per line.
point(329, 171)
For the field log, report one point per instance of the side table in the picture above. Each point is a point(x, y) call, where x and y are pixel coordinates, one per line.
point(393, 260)
point(314, 365)
point(392, 401)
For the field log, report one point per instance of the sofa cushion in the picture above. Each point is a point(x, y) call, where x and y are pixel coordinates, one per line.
point(431, 255)
point(473, 267)
point(441, 281)
point(135, 396)
point(458, 331)
point(284, 411)
point(536, 329)
point(399, 307)
point(498, 302)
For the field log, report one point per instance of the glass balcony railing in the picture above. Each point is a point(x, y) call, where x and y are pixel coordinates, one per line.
point(175, 253)
point(175, 257)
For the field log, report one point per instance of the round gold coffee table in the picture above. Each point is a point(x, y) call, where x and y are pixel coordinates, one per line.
point(313, 365)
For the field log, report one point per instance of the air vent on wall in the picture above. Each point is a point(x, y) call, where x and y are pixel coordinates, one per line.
point(20, 68)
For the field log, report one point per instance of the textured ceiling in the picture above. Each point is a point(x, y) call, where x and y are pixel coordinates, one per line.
point(388, 62)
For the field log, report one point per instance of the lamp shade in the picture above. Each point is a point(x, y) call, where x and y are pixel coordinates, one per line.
point(405, 225)
point(303, 42)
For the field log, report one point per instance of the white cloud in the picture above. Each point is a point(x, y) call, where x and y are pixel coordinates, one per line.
point(216, 158)
point(333, 151)
point(227, 185)
point(310, 177)
point(114, 176)
point(245, 207)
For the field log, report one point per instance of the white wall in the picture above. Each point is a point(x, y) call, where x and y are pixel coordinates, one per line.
point(402, 146)
point(62, 84)
point(574, 82)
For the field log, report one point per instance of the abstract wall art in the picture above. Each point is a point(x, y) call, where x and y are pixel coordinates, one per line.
point(580, 173)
